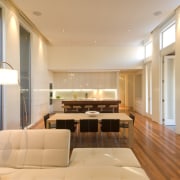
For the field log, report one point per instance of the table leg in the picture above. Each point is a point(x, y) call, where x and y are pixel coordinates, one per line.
point(47, 124)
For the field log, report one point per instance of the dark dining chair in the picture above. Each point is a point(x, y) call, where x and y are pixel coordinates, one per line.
point(110, 125)
point(125, 125)
point(88, 125)
point(46, 117)
point(66, 124)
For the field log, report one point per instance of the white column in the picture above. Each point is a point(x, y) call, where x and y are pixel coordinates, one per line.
point(156, 78)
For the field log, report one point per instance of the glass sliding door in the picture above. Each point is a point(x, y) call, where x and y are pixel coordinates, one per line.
point(25, 77)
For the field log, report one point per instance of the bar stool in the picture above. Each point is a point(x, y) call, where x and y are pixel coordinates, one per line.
point(88, 107)
point(113, 106)
point(65, 107)
point(76, 108)
point(101, 107)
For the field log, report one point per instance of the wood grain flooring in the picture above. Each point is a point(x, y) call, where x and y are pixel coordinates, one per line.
point(155, 146)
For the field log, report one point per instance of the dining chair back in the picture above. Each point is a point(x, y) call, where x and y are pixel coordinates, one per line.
point(132, 116)
point(88, 125)
point(110, 125)
point(126, 125)
point(66, 124)
point(46, 117)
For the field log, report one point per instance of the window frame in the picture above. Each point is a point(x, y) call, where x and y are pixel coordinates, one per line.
point(164, 30)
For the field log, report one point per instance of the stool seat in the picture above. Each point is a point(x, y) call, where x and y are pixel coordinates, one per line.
point(101, 107)
point(88, 107)
point(113, 106)
point(65, 107)
point(77, 108)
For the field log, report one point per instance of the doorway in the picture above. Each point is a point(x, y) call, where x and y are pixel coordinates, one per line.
point(168, 90)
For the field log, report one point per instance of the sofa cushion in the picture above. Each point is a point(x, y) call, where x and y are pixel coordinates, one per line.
point(6, 170)
point(34, 148)
point(56, 173)
point(106, 173)
point(79, 173)
point(95, 157)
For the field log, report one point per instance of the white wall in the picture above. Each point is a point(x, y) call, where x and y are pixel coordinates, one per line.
point(40, 75)
point(85, 80)
point(41, 78)
point(11, 95)
point(90, 58)
point(138, 92)
point(156, 73)
point(177, 72)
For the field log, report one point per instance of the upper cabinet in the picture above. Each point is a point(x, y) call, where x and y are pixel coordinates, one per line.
point(86, 80)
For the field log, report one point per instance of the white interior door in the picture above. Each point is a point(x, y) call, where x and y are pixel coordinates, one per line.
point(169, 91)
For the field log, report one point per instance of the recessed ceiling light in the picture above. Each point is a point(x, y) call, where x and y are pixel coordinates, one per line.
point(37, 13)
point(157, 13)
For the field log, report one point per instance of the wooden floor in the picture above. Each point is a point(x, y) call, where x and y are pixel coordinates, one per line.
point(156, 147)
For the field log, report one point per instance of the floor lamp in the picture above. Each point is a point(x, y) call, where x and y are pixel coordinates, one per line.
point(10, 77)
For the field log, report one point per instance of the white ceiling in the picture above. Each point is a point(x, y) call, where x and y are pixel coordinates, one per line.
point(96, 22)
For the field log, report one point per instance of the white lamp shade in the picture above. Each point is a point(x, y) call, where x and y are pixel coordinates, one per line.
point(8, 76)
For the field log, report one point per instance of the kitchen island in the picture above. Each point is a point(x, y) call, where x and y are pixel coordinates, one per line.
point(82, 106)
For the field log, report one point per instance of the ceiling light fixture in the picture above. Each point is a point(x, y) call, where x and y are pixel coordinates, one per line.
point(157, 13)
point(37, 13)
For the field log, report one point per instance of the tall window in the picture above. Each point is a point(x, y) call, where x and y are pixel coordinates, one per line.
point(1, 56)
point(168, 35)
point(25, 77)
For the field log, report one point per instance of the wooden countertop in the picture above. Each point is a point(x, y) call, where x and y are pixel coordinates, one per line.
point(88, 101)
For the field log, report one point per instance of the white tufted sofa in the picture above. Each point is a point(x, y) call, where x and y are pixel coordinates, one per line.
point(44, 155)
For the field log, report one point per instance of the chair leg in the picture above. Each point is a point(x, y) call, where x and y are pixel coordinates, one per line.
point(101, 135)
point(123, 132)
point(80, 138)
